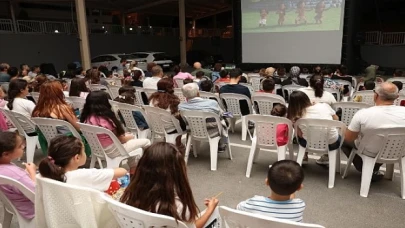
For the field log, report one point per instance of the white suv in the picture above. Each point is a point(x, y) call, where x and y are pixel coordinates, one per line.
point(160, 58)
point(112, 61)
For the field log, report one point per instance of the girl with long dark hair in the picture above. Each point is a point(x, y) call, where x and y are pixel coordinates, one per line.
point(17, 93)
point(316, 92)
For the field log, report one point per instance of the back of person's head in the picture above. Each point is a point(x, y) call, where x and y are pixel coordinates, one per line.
point(285, 177)
point(387, 92)
point(94, 76)
point(165, 98)
point(137, 75)
point(268, 85)
point(35, 68)
point(40, 79)
point(162, 173)
point(398, 84)
point(262, 72)
point(369, 85)
point(176, 69)
point(342, 70)
point(165, 85)
point(327, 72)
point(79, 71)
point(295, 72)
point(77, 86)
point(235, 73)
point(305, 70)
point(317, 69)
point(224, 74)
point(217, 67)
point(102, 69)
point(15, 88)
point(12, 71)
point(126, 95)
point(72, 66)
point(243, 79)
point(298, 104)
point(190, 90)
point(316, 82)
point(197, 65)
point(398, 73)
point(4, 67)
point(200, 74)
point(281, 71)
point(206, 85)
point(51, 101)
point(269, 72)
point(157, 71)
point(149, 66)
point(279, 110)
point(62, 151)
point(187, 81)
point(8, 143)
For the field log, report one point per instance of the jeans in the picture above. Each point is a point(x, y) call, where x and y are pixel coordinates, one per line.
point(357, 161)
point(333, 146)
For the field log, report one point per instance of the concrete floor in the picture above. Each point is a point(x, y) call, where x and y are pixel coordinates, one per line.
point(339, 207)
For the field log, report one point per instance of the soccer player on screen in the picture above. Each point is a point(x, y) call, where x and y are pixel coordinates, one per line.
point(319, 9)
point(263, 18)
point(301, 13)
point(281, 14)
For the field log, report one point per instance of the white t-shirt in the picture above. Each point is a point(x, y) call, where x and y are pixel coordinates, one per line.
point(23, 106)
point(320, 111)
point(98, 179)
point(151, 83)
point(327, 97)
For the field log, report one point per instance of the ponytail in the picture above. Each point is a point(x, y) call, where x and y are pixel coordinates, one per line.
point(316, 82)
point(60, 152)
point(14, 90)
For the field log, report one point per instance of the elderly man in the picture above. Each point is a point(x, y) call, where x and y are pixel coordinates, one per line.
point(383, 115)
point(4, 77)
point(151, 82)
point(198, 67)
point(196, 103)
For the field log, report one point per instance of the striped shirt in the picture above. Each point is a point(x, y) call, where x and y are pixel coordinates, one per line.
point(292, 210)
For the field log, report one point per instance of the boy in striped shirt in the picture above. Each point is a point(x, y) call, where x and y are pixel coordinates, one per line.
point(284, 179)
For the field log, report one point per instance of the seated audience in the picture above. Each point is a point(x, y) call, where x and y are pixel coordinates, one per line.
point(199, 76)
point(17, 101)
point(78, 88)
point(97, 111)
point(317, 70)
point(262, 72)
point(243, 80)
point(162, 173)
point(187, 81)
point(198, 67)
point(95, 78)
point(39, 80)
point(136, 79)
point(35, 70)
point(134, 67)
point(368, 86)
point(148, 72)
point(65, 156)
point(5, 124)
point(181, 73)
point(215, 74)
point(316, 91)
point(398, 73)
point(4, 77)
point(268, 85)
point(224, 79)
point(281, 72)
point(284, 179)
point(13, 72)
point(151, 82)
point(383, 115)
point(196, 103)
point(282, 129)
point(269, 73)
point(371, 73)
point(329, 83)
point(294, 78)
point(234, 87)
point(300, 106)
point(341, 74)
point(206, 86)
point(12, 148)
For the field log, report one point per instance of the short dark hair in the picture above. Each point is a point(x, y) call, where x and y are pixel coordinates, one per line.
point(156, 70)
point(234, 73)
point(243, 79)
point(223, 73)
point(398, 84)
point(327, 71)
point(200, 74)
point(12, 71)
point(268, 85)
point(369, 85)
point(7, 141)
point(187, 80)
point(279, 110)
point(206, 85)
point(398, 73)
point(285, 177)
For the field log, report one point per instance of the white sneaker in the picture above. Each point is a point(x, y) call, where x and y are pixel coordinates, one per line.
point(323, 160)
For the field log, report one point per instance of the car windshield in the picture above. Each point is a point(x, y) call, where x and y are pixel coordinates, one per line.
point(128, 56)
point(161, 56)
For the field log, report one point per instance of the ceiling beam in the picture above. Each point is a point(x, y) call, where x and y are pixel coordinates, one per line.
point(149, 5)
point(214, 13)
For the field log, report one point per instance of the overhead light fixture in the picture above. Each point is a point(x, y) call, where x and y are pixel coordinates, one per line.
point(102, 27)
point(56, 31)
point(130, 29)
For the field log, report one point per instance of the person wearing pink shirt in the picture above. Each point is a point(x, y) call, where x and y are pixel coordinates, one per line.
point(181, 73)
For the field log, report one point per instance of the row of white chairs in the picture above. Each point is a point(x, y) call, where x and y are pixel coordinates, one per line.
point(59, 204)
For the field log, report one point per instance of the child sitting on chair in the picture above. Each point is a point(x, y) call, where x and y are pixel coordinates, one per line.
point(282, 129)
point(284, 179)
point(11, 148)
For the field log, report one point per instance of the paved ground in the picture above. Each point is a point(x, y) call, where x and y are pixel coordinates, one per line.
point(339, 207)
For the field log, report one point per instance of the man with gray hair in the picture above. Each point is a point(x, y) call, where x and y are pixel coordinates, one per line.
point(196, 103)
point(383, 115)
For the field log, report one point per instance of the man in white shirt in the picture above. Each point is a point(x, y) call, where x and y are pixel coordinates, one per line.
point(157, 74)
point(383, 115)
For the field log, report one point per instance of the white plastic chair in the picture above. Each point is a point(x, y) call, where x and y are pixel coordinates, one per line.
point(390, 149)
point(149, 92)
point(58, 204)
point(126, 111)
point(212, 96)
point(8, 207)
point(399, 79)
point(265, 136)
point(158, 119)
point(97, 87)
point(179, 93)
point(35, 95)
point(288, 89)
point(266, 101)
point(250, 87)
point(399, 100)
point(128, 216)
point(197, 122)
point(25, 128)
point(5, 86)
point(114, 108)
point(366, 96)
point(98, 152)
point(232, 105)
point(233, 218)
point(334, 92)
point(78, 102)
point(349, 109)
point(138, 95)
point(255, 81)
point(49, 127)
point(113, 89)
point(317, 138)
point(179, 83)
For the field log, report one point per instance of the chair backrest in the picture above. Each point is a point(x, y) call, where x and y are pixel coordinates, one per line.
point(366, 96)
point(179, 83)
point(10, 116)
point(97, 87)
point(114, 107)
point(232, 102)
point(266, 101)
point(23, 121)
point(179, 93)
point(138, 95)
point(197, 122)
point(386, 143)
point(399, 100)
point(35, 95)
point(288, 89)
point(114, 91)
point(149, 92)
point(318, 132)
point(78, 102)
point(5, 86)
point(126, 111)
point(348, 110)
point(58, 204)
point(129, 217)
point(49, 127)
point(241, 219)
point(159, 118)
point(255, 81)
point(250, 87)
point(266, 129)
point(16, 184)
point(399, 79)
point(334, 92)
point(212, 96)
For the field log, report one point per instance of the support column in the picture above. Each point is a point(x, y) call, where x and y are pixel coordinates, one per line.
point(83, 34)
point(123, 21)
point(183, 35)
point(13, 16)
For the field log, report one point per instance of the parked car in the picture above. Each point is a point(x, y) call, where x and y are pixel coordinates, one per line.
point(206, 59)
point(160, 58)
point(112, 61)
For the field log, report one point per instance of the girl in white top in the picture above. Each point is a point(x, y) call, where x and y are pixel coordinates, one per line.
point(65, 156)
point(17, 92)
point(162, 174)
point(316, 92)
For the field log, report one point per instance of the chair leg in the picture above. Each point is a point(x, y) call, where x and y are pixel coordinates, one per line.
point(252, 155)
point(145, 134)
point(188, 147)
point(281, 151)
point(93, 161)
point(244, 128)
point(402, 170)
point(196, 147)
point(332, 167)
point(338, 162)
point(349, 163)
point(301, 153)
point(229, 151)
point(291, 151)
point(366, 175)
point(171, 138)
point(389, 173)
point(214, 152)
point(232, 123)
point(30, 149)
point(100, 163)
point(7, 218)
